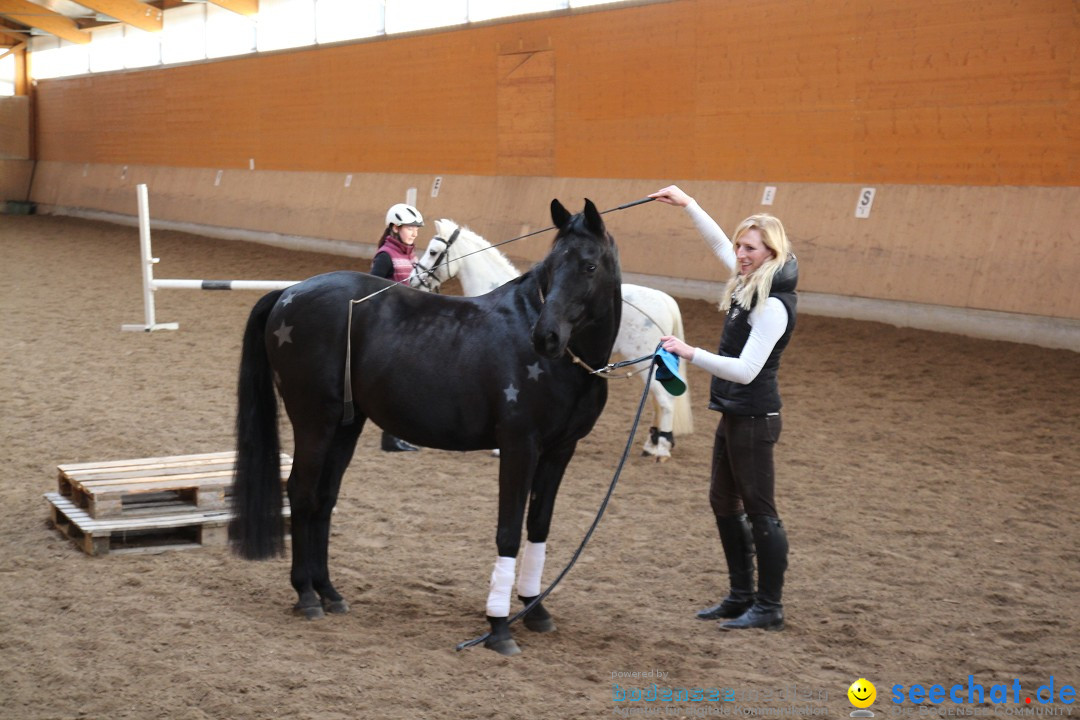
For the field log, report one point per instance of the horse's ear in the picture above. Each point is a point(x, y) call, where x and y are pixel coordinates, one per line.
point(593, 221)
point(559, 215)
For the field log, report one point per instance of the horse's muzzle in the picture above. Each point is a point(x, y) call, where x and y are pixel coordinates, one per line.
point(551, 342)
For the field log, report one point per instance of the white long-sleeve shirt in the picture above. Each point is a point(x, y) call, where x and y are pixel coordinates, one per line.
point(768, 321)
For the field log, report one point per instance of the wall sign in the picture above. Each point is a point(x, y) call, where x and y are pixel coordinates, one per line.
point(866, 201)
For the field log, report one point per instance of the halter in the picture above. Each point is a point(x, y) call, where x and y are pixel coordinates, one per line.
point(603, 372)
point(427, 277)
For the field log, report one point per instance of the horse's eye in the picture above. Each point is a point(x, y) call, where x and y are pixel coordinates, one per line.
point(590, 269)
point(431, 252)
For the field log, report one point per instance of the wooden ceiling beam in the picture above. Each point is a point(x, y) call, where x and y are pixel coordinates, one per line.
point(13, 49)
point(243, 7)
point(36, 16)
point(12, 33)
point(134, 13)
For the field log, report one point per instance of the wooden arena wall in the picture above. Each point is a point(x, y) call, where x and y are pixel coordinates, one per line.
point(962, 116)
point(15, 163)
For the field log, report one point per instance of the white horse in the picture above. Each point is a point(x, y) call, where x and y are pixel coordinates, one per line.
point(647, 315)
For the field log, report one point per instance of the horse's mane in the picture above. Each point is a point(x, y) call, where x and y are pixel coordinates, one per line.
point(491, 265)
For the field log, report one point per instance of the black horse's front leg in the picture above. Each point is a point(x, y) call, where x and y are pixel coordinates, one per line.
point(549, 473)
point(517, 463)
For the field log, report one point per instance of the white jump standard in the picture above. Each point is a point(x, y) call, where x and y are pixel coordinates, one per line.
point(150, 285)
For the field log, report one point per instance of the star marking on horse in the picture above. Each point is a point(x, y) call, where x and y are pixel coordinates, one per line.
point(284, 334)
point(287, 299)
point(511, 393)
point(534, 371)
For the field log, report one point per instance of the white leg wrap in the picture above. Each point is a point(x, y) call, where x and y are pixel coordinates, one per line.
point(532, 568)
point(502, 582)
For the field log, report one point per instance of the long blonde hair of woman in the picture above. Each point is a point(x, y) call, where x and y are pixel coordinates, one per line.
point(751, 291)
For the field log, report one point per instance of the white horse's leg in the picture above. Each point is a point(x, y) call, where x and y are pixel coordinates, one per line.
point(664, 403)
point(649, 314)
point(683, 420)
point(650, 448)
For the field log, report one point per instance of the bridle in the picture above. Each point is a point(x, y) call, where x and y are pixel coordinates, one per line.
point(426, 277)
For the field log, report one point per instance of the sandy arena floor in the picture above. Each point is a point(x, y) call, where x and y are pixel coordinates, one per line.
point(929, 484)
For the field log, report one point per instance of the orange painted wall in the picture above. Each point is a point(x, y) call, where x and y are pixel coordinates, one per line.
point(932, 92)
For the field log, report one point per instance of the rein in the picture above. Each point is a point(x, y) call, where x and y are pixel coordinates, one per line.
point(596, 521)
point(431, 271)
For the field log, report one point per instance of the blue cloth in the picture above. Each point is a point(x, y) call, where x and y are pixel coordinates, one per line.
point(667, 372)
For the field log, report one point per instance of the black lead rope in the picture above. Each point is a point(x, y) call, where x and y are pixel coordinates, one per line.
point(599, 513)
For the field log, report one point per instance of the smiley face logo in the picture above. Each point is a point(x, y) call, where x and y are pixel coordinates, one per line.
point(862, 693)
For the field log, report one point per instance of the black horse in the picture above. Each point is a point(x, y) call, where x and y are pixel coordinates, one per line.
point(454, 373)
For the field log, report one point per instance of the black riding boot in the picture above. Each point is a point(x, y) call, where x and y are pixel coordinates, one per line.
point(395, 444)
point(767, 612)
point(738, 542)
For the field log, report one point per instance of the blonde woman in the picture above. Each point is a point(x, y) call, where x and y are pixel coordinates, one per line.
point(760, 304)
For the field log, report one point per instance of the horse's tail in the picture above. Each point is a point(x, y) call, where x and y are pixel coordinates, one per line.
point(257, 530)
point(682, 421)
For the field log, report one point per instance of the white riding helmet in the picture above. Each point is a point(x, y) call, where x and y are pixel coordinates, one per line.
point(402, 214)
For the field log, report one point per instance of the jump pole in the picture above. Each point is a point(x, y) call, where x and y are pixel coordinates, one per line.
point(150, 285)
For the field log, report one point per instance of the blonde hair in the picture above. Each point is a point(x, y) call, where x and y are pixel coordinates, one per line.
point(752, 290)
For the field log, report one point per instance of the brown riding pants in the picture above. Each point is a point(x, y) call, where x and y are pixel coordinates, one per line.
point(743, 477)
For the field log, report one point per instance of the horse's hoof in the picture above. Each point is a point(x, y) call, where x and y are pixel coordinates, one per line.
point(336, 607)
point(309, 612)
point(539, 625)
point(506, 647)
point(662, 458)
point(499, 638)
point(538, 619)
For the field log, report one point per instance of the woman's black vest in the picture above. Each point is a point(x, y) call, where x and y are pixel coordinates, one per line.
point(762, 394)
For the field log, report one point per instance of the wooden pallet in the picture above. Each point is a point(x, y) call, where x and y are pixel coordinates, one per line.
point(148, 504)
point(173, 531)
point(147, 487)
